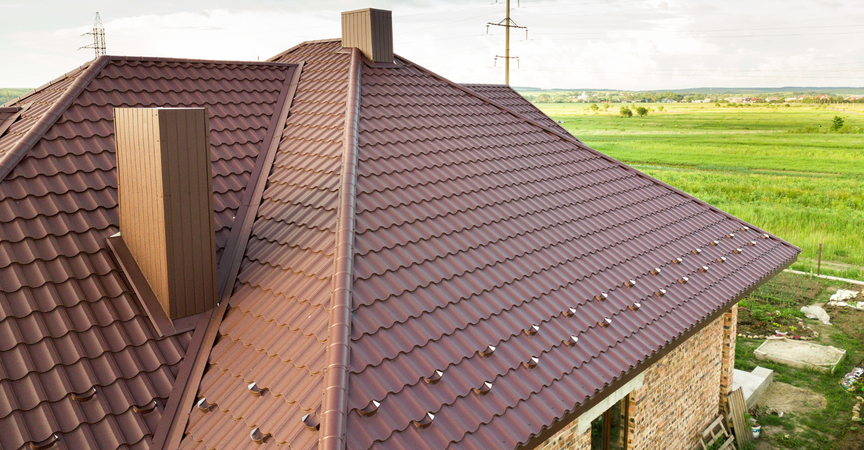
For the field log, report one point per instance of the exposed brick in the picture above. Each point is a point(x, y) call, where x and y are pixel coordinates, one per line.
point(680, 395)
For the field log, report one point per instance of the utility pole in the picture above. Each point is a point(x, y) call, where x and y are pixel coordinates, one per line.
point(98, 34)
point(507, 23)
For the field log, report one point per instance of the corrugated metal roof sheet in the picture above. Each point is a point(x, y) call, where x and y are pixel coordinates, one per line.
point(503, 273)
point(68, 321)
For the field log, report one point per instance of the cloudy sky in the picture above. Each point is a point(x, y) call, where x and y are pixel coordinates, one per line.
point(616, 44)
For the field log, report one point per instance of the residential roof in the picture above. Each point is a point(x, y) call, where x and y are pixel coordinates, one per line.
point(427, 267)
point(68, 320)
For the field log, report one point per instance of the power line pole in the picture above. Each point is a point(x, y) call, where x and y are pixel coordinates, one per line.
point(98, 34)
point(507, 23)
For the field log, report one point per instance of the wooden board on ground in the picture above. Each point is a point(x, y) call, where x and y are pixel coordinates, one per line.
point(736, 418)
point(714, 433)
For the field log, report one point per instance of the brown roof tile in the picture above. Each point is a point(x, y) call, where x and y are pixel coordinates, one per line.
point(497, 265)
point(68, 321)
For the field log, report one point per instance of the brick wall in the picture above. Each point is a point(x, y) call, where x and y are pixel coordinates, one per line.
point(680, 395)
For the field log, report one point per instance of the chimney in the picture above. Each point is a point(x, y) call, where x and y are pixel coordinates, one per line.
point(166, 203)
point(371, 31)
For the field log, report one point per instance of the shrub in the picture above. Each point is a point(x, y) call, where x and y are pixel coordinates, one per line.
point(626, 112)
point(642, 111)
point(837, 123)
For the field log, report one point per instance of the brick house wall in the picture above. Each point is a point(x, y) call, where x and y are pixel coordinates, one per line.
point(680, 396)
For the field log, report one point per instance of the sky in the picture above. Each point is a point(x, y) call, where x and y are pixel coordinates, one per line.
point(572, 44)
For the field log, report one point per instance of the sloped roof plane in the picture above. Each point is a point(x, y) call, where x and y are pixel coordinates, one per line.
point(426, 268)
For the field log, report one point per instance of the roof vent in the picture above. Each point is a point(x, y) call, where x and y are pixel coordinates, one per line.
point(371, 31)
point(370, 409)
point(85, 396)
point(425, 421)
point(311, 421)
point(434, 378)
point(258, 436)
point(166, 204)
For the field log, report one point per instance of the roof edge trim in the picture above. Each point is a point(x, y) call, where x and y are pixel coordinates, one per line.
point(302, 44)
point(74, 72)
point(32, 137)
point(568, 418)
point(169, 431)
point(335, 405)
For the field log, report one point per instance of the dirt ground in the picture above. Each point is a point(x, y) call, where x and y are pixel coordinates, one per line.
point(791, 399)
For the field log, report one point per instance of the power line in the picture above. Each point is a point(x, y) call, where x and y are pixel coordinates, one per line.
point(98, 34)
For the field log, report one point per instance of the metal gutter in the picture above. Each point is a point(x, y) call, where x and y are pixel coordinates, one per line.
point(335, 406)
point(169, 431)
point(13, 156)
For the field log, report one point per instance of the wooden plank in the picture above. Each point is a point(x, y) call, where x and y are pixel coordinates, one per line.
point(736, 418)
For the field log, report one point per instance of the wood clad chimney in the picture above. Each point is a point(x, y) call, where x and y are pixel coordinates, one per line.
point(371, 31)
point(166, 203)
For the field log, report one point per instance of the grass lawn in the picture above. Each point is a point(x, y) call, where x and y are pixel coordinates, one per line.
point(753, 162)
point(829, 428)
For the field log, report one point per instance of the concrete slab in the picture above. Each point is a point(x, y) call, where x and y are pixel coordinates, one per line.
point(753, 384)
point(801, 354)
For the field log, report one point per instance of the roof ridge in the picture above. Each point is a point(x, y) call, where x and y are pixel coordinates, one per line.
point(11, 158)
point(581, 145)
point(335, 405)
point(193, 60)
point(302, 44)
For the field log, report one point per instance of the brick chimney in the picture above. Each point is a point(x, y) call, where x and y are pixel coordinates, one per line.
point(166, 203)
point(371, 31)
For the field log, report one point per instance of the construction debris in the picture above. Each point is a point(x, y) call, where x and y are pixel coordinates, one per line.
point(816, 312)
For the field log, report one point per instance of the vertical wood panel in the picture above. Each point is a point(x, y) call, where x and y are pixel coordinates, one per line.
point(166, 204)
point(371, 31)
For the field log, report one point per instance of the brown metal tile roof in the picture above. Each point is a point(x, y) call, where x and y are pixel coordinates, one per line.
point(68, 321)
point(499, 275)
point(505, 96)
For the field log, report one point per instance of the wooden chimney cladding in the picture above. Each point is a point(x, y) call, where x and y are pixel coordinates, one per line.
point(166, 203)
point(371, 31)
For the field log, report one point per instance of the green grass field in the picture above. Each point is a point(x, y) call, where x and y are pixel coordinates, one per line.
point(753, 162)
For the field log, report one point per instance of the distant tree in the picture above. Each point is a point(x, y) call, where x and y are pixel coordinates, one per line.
point(605, 106)
point(594, 107)
point(660, 108)
point(642, 111)
point(625, 111)
point(837, 123)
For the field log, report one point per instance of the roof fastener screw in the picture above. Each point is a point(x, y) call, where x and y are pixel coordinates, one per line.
point(483, 389)
point(745, 228)
point(721, 259)
point(254, 389)
point(678, 261)
point(488, 351)
point(738, 251)
point(605, 322)
point(765, 236)
point(635, 306)
point(434, 378)
point(630, 283)
point(731, 235)
point(145, 409)
point(531, 363)
point(655, 271)
point(532, 330)
point(204, 405)
point(660, 293)
point(84, 396)
point(571, 341)
point(683, 280)
point(752, 243)
point(47, 443)
point(601, 296)
point(696, 251)
point(715, 243)
point(703, 269)
point(569, 312)
point(425, 421)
